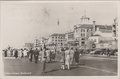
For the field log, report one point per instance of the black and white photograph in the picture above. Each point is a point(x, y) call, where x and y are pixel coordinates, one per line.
point(43, 38)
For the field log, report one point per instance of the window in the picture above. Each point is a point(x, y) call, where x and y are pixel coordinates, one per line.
point(87, 30)
point(82, 43)
point(94, 40)
point(81, 34)
point(84, 34)
point(83, 39)
point(82, 30)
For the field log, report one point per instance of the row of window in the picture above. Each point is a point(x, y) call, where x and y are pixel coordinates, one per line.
point(58, 40)
point(59, 43)
point(83, 30)
point(93, 40)
point(82, 34)
point(57, 37)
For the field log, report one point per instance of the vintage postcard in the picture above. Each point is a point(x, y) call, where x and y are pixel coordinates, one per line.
point(59, 39)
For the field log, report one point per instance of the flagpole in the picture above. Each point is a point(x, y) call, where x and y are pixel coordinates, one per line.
point(58, 24)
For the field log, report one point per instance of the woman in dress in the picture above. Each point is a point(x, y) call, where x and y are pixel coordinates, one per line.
point(67, 58)
point(62, 59)
point(76, 56)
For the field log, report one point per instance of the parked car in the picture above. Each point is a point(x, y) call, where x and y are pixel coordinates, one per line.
point(96, 52)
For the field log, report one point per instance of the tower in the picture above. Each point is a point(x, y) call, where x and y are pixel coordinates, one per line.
point(84, 19)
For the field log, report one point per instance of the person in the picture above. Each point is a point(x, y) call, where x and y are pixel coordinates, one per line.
point(31, 55)
point(108, 52)
point(76, 56)
point(8, 52)
point(67, 58)
point(40, 55)
point(62, 59)
point(48, 55)
point(21, 53)
point(25, 53)
point(36, 55)
point(71, 56)
point(16, 53)
point(5, 52)
point(44, 57)
point(11, 52)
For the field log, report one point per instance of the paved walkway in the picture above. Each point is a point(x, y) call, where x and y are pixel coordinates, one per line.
point(89, 66)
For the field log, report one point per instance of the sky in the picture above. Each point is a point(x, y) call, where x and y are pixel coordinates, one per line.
point(24, 21)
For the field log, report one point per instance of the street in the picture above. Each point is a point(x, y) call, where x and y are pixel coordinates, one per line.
point(89, 66)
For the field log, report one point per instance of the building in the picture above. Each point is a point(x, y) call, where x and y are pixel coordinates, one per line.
point(56, 40)
point(84, 30)
point(88, 31)
point(70, 39)
point(103, 30)
point(43, 41)
point(95, 38)
point(103, 42)
point(37, 43)
point(115, 29)
point(29, 45)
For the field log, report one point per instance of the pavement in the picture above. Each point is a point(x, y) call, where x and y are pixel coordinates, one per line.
point(89, 66)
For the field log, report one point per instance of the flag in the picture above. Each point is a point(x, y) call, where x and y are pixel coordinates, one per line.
point(58, 22)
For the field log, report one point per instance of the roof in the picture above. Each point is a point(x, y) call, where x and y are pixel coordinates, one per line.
point(56, 34)
point(107, 27)
point(90, 26)
point(70, 32)
point(106, 31)
point(87, 26)
point(96, 35)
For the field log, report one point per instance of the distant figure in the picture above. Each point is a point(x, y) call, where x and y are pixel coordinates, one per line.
point(25, 53)
point(5, 53)
point(8, 52)
point(48, 55)
point(62, 59)
point(11, 52)
point(108, 52)
point(36, 55)
point(21, 53)
point(76, 56)
point(44, 57)
point(71, 56)
point(40, 55)
point(31, 55)
point(52, 55)
point(16, 53)
point(67, 58)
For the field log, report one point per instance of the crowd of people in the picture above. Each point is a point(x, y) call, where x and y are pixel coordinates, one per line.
point(45, 55)
point(68, 56)
point(15, 53)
